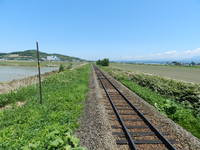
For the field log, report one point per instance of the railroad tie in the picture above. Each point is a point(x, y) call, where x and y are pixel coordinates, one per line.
point(124, 142)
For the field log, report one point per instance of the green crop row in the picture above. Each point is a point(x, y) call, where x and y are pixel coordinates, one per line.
point(50, 125)
point(183, 113)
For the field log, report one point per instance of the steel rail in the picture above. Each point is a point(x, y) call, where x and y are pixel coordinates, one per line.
point(128, 135)
point(157, 133)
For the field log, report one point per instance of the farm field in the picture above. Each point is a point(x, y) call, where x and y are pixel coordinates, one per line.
point(49, 125)
point(13, 70)
point(188, 74)
point(34, 63)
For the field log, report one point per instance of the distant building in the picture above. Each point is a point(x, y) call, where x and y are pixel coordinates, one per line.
point(43, 59)
point(53, 58)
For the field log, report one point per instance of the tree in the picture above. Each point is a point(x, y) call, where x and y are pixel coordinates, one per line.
point(176, 63)
point(193, 63)
point(98, 62)
point(104, 62)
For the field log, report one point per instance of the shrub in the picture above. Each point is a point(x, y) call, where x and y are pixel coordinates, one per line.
point(69, 66)
point(61, 68)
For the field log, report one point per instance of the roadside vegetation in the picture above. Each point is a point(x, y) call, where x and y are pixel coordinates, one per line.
point(178, 100)
point(48, 126)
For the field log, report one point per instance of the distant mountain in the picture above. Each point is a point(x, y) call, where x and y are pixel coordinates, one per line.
point(195, 59)
point(31, 55)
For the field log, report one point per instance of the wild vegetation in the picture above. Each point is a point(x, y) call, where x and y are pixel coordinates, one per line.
point(50, 125)
point(179, 91)
point(179, 101)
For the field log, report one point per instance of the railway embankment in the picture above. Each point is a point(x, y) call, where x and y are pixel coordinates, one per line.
point(177, 100)
point(184, 140)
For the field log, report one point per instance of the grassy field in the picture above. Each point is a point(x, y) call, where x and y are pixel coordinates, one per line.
point(34, 63)
point(178, 100)
point(50, 125)
point(188, 74)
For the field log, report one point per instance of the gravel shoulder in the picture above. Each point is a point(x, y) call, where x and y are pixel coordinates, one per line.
point(95, 130)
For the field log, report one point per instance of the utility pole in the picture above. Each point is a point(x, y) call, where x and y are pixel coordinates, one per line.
point(39, 74)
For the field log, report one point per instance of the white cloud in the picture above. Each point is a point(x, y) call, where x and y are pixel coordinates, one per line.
point(193, 52)
point(187, 54)
point(170, 52)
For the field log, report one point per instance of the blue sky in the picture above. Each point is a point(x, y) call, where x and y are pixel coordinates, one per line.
point(92, 29)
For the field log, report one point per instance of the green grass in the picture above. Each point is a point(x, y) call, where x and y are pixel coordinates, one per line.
point(50, 125)
point(179, 112)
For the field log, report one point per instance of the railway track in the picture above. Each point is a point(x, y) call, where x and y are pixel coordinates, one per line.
point(130, 126)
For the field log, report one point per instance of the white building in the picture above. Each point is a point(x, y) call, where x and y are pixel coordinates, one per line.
point(52, 58)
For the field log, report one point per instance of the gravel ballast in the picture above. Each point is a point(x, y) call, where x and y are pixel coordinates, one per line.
point(95, 130)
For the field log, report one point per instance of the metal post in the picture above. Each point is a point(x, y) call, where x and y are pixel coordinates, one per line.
point(39, 74)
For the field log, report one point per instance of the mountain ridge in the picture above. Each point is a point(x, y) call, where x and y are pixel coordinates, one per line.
point(31, 55)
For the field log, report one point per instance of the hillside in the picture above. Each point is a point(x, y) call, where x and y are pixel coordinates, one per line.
point(31, 55)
